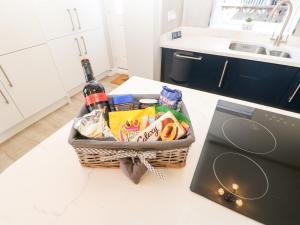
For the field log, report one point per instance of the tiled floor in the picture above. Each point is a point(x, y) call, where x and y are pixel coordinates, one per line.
point(24, 141)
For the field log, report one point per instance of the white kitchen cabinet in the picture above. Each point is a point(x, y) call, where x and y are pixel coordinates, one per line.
point(9, 114)
point(95, 49)
point(67, 53)
point(19, 26)
point(31, 79)
point(64, 17)
point(89, 14)
point(57, 17)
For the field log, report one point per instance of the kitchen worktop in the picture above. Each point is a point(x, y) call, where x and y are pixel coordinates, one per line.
point(216, 42)
point(49, 186)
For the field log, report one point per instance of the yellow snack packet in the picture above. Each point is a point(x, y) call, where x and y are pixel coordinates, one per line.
point(125, 125)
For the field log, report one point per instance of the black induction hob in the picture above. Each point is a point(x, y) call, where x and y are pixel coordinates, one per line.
point(250, 163)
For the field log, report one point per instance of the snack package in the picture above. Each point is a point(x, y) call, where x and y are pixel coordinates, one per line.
point(183, 120)
point(147, 102)
point(93, 125)
point(166, 128)
point(125, 125)
point(171, 98)
point(123, 102)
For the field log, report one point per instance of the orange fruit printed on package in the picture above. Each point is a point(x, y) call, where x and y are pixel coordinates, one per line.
point(125, 125)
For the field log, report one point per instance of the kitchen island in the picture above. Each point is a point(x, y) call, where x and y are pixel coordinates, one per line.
point(49, 186)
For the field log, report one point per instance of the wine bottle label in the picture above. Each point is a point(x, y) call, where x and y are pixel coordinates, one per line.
point(94, 98)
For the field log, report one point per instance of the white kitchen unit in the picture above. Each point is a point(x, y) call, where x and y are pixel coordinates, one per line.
point(88, 14)
point(31, 79)
point(95, 48)
point(65, 17)
point(56, 17)
point(42, 43)
point(9, 114)
point(68, 51)
point(19, 26)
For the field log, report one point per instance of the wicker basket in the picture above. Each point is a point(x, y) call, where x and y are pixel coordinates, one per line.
point(168, 153)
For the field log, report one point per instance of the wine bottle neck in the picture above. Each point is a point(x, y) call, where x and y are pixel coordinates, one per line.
point(89, 75)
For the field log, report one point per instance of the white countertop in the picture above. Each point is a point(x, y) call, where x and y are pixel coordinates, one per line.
point(49, 186)
point(210, 41)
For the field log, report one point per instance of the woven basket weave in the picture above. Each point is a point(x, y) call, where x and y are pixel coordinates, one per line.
point(168, 153)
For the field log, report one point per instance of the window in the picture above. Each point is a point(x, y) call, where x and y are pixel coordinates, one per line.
point(253, 15)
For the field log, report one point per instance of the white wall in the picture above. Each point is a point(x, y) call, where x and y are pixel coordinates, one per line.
point(197, 12)
point(115, 22)
point(297, 30)
point(142, 31)
point(175, 6)
point(106, 33)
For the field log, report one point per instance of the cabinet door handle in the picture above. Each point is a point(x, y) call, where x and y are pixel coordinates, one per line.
point(199, 58)
point(79, 49)
point(294, 93)
point(76, 12)
point(5, 75)
point(223, 74)
point(2, 94)
point(83, 41)
point(71, 18)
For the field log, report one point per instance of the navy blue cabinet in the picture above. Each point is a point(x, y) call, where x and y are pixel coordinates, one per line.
point(259, 82)
point(263, 83)
point(194, 70)
point(291, 100)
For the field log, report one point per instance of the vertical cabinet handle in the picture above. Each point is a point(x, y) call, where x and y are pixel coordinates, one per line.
point(83, 41)
point(79, 49)
point(223, 74)
point(5, 75)
point(71, 19)
point(76, 12)
point(2, 94)
point(294, 93)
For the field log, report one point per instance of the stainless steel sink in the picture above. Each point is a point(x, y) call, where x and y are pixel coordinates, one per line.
point(241, 47)
point(280, 54)
point(257, 49)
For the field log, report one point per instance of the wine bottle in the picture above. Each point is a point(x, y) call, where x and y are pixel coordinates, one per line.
point(94, 92)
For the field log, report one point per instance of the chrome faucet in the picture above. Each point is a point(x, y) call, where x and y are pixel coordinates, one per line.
point(279, 38)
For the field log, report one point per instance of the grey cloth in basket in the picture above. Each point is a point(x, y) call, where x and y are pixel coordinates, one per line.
point(133, 168)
